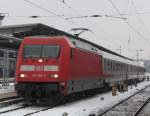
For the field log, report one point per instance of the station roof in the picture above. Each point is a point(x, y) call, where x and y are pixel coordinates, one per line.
point(13, 32)
point(9, 42)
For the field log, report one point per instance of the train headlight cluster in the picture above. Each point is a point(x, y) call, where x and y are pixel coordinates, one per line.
point(40, 60)
point(23, 75)
point(54, 75)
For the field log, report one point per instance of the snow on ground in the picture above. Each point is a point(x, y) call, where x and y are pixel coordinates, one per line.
point(81, 107)
point(7, 89)
point(94, 104)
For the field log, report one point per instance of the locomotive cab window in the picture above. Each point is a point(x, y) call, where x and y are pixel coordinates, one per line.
point(41, 51)
point(50, 51)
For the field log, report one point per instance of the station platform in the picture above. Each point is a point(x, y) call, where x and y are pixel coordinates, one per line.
point(7, 92)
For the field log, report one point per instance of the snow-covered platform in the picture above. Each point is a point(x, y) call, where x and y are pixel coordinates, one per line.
point(94, 104)
point(7, 91)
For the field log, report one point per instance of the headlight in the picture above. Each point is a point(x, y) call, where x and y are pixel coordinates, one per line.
point(23, 75)
point(54, 75)
point(40, 60)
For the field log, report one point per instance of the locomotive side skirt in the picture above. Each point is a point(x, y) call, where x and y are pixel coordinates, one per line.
point(84, 84)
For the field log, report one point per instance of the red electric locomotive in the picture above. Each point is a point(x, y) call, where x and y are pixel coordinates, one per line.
point(50, 67)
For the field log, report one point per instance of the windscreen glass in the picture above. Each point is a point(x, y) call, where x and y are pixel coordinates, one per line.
point(41, 51)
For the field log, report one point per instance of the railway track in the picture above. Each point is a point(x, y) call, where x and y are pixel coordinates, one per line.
point(13, 109)
point(16, 106)
point(130, 106)
point(24, 110)
point(44, 109)
point(141, 108)
point(10, 101)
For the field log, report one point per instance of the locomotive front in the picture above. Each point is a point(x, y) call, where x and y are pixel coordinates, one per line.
point(39, 70)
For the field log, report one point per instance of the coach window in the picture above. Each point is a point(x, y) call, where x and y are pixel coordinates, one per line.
point(125, 67)
point(108, 65)
point(117, 67)
point(131, 68)
point(120, 67)
point(134, 69)
point(104, 64)
point(128, 68)
point(113, 66)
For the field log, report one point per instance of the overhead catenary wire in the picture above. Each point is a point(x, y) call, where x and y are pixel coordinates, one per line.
point(134, 29)
point(48, 11)
point(139, 18)
point(85, 16)
point(130, 14)
point(77, 16)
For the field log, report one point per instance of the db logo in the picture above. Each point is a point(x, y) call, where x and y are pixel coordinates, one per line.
point(39, 68)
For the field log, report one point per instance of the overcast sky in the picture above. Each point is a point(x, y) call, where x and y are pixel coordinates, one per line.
point(132, 33)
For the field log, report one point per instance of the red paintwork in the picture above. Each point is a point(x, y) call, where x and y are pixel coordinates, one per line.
point(84, 64)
